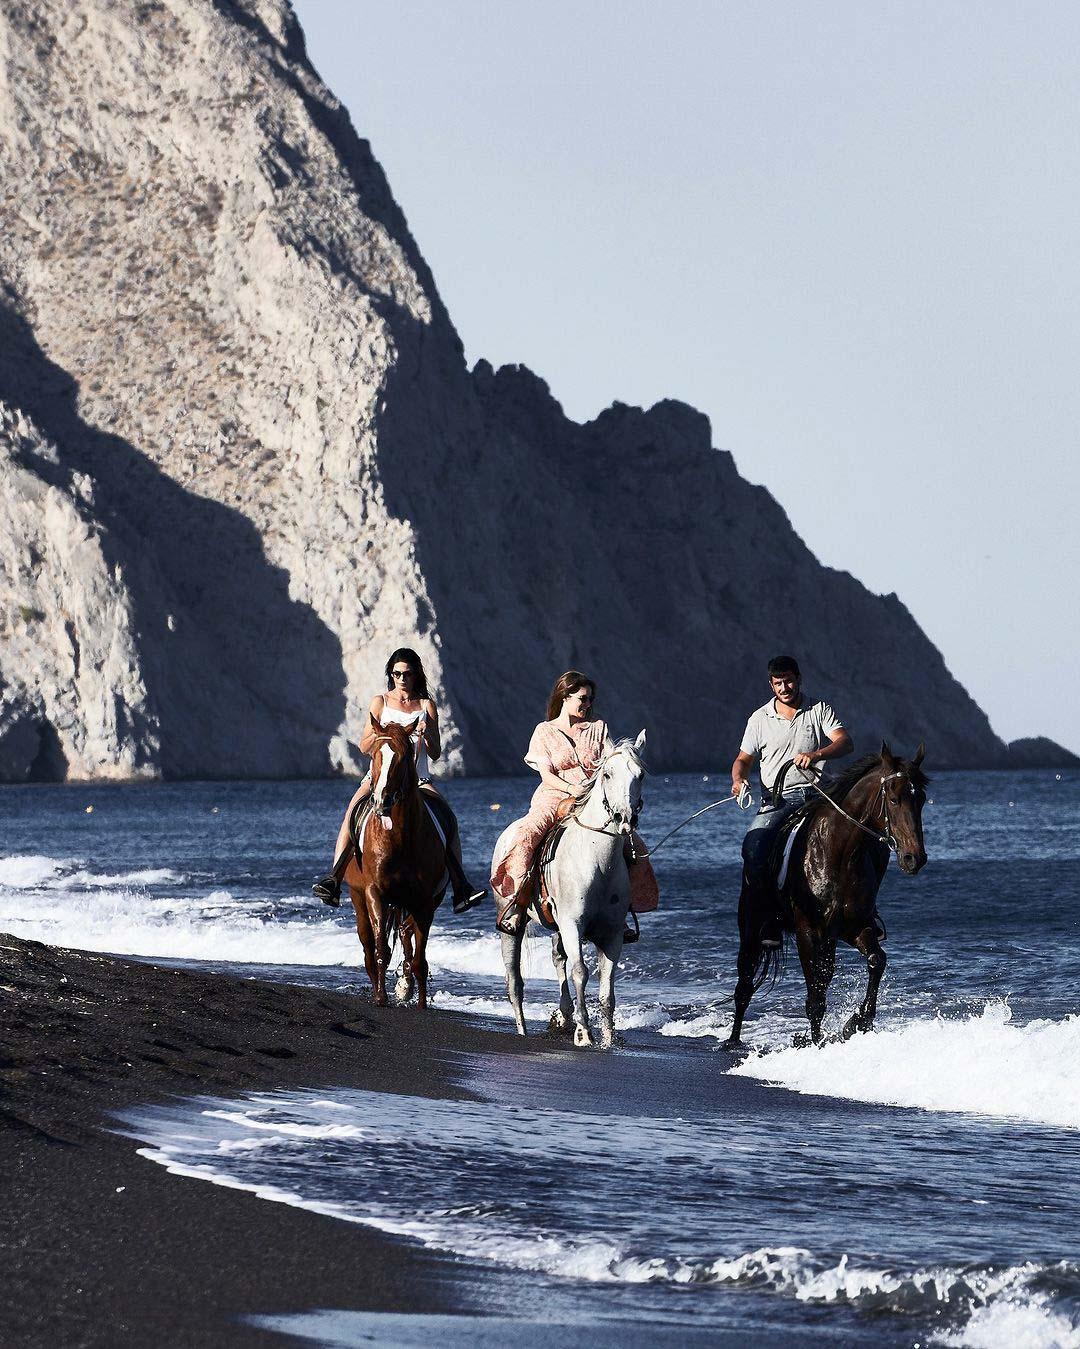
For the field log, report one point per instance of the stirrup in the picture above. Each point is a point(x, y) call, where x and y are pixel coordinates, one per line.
point(631, 934)
point(328, 890)
point(463, 903)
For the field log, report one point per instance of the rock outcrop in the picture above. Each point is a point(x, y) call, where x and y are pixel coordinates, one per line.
point(243, 457)
point(1040, 752)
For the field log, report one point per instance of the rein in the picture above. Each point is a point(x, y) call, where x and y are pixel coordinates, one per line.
point(887, 837)
point(744, 799)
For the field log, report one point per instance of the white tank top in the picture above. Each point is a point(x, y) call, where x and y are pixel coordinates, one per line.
point(392, 713)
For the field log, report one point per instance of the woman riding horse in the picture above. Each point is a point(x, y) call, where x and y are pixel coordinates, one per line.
point(406, 703)
point(565, 750)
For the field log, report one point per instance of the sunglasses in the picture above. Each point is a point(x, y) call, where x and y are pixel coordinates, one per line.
point(403, 674)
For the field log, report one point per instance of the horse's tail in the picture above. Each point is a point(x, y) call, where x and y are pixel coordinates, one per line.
point(769, 965)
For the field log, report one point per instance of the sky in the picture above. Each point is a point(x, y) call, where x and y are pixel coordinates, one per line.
point(847, 232)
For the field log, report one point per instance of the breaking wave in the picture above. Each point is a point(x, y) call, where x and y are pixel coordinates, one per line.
point(984, 1065)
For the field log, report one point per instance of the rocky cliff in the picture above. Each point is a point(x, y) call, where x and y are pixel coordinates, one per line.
point(242, 457)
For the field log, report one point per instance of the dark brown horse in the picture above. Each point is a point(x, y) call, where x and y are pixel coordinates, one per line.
point(398, 877)
point(837, 862)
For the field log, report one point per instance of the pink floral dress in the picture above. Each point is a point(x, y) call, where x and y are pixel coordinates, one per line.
point(574, 756)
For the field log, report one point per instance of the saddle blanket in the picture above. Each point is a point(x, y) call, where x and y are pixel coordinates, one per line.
point(789, 843)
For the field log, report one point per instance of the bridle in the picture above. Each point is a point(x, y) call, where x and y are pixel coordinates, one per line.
point(613, 815)
point(406, 787)
point(887, 837)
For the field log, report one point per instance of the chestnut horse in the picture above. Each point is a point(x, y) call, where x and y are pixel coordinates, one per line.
point(398, 877)
point(837, 863)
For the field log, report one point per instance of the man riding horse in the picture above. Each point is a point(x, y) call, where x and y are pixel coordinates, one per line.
point(789, 727)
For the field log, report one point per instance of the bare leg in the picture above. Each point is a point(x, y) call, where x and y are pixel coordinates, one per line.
point(562, 1019)
point(515, 984)
point(876, 960)
point(344, 838)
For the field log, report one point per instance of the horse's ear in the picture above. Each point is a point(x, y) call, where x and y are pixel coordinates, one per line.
point(917, 758)
point(639, 743)
point(887, 760)
point(375, 721)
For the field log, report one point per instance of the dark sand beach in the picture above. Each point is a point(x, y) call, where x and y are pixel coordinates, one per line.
point(98, 1245)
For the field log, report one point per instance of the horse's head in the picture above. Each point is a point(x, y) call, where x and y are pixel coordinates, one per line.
point(619, 782)
point(393, 766)
point(903, 794)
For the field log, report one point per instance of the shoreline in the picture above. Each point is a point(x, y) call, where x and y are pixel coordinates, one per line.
point(99, 1245)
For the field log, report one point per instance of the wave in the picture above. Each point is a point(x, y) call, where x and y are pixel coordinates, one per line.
point(981, 1065)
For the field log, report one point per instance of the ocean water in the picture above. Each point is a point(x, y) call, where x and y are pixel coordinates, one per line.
point(918, 1185)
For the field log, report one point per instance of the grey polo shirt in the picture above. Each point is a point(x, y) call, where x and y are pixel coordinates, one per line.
point(775, 739)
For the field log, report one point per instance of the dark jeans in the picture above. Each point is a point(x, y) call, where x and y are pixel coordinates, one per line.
point(760, 837)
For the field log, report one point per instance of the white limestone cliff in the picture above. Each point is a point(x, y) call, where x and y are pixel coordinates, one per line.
point(262, 462)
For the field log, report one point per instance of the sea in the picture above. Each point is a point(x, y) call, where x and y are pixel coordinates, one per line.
point(919, 1185)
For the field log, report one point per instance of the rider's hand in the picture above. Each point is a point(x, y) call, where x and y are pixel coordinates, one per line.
point(804, 760)
point(737, 784)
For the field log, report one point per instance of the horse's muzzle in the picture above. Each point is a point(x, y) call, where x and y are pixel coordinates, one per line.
point(910, 863)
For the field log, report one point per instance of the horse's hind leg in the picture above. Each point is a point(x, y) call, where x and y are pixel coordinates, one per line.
point(515, 984)
point(562, 1019)
point(405, 984)
point(876, 960)
point(420, 965)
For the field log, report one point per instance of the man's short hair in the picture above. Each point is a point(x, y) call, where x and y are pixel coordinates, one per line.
point(781, 665)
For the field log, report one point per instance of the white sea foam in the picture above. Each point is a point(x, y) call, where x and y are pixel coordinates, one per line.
point(30, 872)
point(979, 1065)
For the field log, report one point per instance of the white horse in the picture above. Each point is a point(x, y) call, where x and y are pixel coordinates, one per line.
point(589, 886)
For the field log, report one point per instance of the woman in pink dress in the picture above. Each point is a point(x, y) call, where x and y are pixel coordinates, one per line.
point(565, 750)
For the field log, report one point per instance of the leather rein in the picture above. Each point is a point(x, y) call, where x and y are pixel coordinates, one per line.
point(887, 837)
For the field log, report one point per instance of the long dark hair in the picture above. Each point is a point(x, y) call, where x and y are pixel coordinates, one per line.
point(566, 684)
point(413, 661)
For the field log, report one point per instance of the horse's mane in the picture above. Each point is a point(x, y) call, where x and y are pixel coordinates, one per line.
point(589, 785)
point(841, 787)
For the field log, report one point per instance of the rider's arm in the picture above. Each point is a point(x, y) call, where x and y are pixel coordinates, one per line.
point(431, 728)
point(740, 771)
point(839, 745)
point(557, 784)
point(368, 734)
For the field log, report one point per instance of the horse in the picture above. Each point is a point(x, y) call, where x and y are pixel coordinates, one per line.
point(397, 877)
point(589, 885)
point(837, 862)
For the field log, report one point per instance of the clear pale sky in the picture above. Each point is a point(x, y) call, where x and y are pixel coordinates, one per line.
point(846, 232)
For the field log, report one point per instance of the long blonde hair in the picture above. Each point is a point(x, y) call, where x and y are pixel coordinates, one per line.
point(566, 684)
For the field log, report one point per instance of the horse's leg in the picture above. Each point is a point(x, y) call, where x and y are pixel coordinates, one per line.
point(562, 1019)
point(404, 986)
point(749, 956)
point(609, 953)
point(515, 984)
point(419, 962)
point(817, 955)
point(363, 931)
point(378, 916)
point(571, 940)
point(868, 944)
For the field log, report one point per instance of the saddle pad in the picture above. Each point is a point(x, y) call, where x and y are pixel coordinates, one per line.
point(789, 843)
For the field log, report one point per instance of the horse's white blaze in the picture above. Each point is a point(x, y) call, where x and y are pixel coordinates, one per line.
point(386, 760)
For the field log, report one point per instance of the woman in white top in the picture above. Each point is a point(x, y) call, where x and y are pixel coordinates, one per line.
point(406, 701)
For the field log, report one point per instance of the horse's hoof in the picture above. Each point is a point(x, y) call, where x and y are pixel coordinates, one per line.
point(582, 1038)
point(403, 990)
point(558, 1024)
point(384, 1001)
point(801, 1041)
point(732, 1044)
